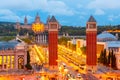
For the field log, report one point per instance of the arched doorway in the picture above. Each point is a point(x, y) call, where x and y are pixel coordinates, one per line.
point(20, 63)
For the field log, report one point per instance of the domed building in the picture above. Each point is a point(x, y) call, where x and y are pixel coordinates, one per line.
point(111, 43)
point(106, 36)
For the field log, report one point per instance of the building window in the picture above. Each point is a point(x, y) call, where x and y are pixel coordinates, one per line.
point(119, 61)
point(12, 61)
point(0, 62)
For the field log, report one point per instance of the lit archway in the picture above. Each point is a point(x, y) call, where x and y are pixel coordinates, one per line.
point(20, 63)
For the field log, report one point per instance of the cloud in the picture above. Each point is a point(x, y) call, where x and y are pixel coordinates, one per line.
point(104, 4)
point(113, 17)
point(81, 17)
point(99, 12)
point(79, 6)
point(6, 14)
point(23, 4)
point(9, 15)
point(50, 6)
point(58, 7)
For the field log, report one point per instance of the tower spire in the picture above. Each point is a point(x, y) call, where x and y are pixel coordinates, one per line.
point(53, 19)
point(37, 19)
point(91, 44)
point(48, 19)
point(25, 20)
point(91, 19)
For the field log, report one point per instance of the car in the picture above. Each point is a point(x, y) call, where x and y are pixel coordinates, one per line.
point(109, 78)
point(79, 75)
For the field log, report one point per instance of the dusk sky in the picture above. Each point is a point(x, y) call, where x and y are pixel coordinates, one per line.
point(67, 12)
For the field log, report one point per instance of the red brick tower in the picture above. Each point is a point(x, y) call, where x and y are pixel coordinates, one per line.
point(53, 26)
point(91, 33)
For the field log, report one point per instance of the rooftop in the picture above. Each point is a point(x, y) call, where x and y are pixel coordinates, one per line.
point(113, 44)
point(52, 19)
point(91, 19)
point(106, 34)
point(8, 45)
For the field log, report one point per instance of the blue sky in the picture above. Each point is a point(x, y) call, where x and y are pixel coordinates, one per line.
point(67, 12)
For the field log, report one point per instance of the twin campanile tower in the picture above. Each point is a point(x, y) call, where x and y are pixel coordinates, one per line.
point(91, 43)
point(91, 46)
point(52, 27)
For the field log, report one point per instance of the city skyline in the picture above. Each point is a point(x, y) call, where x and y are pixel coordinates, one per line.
point(68, 12)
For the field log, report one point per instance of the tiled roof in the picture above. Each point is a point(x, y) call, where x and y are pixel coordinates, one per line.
point(91, 19)
point(52, 19)
point(6, 45)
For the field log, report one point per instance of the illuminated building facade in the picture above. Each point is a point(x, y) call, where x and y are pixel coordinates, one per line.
point(91, 43)
point(100, 47)
point(39, 29)
point(13, 58)
point(80, 43)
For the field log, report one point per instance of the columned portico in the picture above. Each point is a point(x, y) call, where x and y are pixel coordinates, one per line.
point(6, 62)
point(41, 38)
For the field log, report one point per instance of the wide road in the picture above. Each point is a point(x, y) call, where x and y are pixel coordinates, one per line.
point(73, 63)
point(23, 77)
point(72, 59)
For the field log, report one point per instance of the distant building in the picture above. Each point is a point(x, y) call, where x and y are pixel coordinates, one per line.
point(29, 26)
point(110, 43)
point(39, 28)
point(100, 47)
point(24, 26)
point(79, 44)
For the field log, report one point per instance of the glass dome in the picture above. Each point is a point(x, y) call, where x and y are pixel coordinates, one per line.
point(105, 36)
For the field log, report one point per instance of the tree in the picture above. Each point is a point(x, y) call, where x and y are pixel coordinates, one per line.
point(101, 58)
point(74, 47)
point(28, 66)
point(113, 60)
point(63, 40)
point(108, 58)
point(104, 57)
point(6, 38)
point(83, 49)
point(27, 40)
